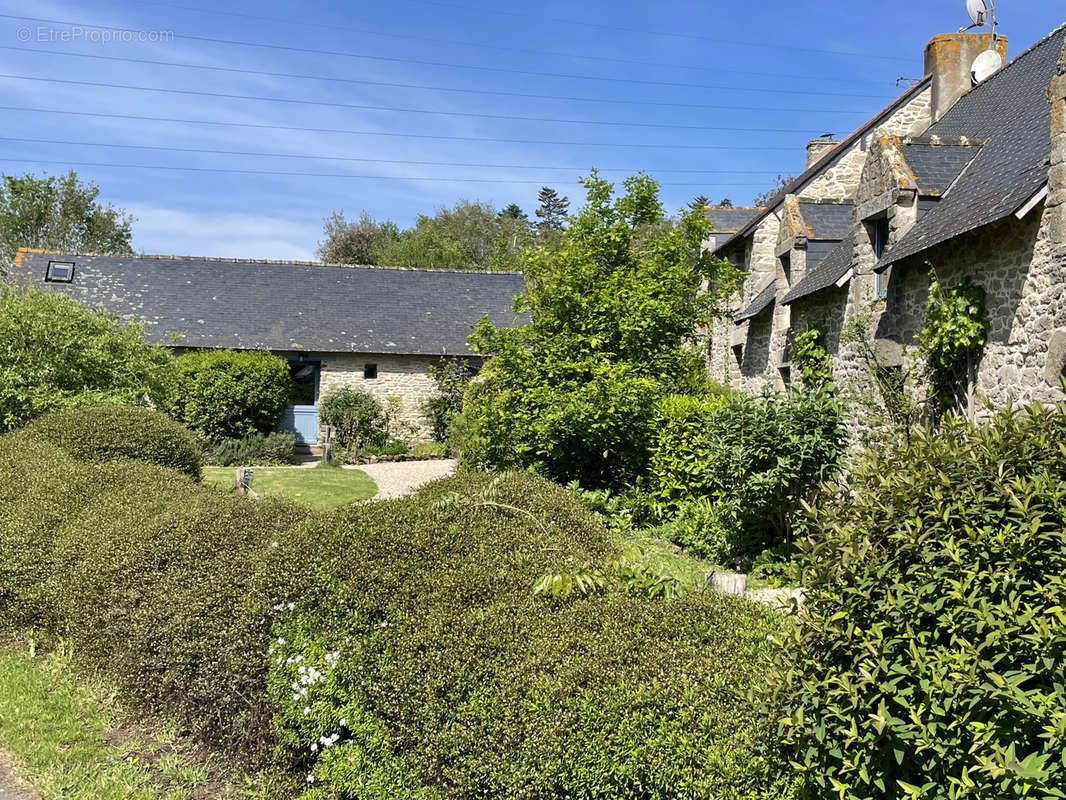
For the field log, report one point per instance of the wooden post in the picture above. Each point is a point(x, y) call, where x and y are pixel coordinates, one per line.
point(244, 480)
point(728, 582)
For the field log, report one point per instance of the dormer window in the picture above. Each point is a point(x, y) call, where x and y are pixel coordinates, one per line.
point(879, 239)
point(59, 272)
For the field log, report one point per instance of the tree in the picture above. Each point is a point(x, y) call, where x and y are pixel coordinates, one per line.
point(57, 354)
point(552, 212)
point(513, 211)
point(614, 302)
point(362, 242)
point(780, 182)
point(58, 213)
point(462, 237)
point(700, 201)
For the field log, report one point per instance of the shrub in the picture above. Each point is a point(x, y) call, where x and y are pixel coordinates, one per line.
point(931, 658)
point(56, 354)
point(229, 394)
point(680, 449)
point(255, 449)
point(105, 433)
point(451, 376)
point(357, 418)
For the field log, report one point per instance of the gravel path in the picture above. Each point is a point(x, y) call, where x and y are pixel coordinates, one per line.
point(12, 787)
point(397, 478)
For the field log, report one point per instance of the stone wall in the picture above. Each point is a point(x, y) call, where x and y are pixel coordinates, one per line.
point(399, 376)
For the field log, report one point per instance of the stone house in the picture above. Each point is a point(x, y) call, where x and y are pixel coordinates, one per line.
point(966, 178)
point(371, 328)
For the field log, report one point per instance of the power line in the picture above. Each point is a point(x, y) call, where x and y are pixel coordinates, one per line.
point(391, 134)
point(169, 149)
point(486, 46)
point(230, 170)
point(329, 78)
point(349, 54)
point(391, 109)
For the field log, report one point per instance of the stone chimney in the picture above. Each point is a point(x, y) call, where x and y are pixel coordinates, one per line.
point(816, 148)
point(948, 58)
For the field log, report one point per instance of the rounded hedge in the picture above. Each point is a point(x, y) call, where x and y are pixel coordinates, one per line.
point(105, 433)
point(931, 658)
point(229, 394)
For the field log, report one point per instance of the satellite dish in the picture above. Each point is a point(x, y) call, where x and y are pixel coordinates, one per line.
point(985, 66)
point(978, 11)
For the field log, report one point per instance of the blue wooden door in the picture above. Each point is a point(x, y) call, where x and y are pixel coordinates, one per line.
point(301, 418)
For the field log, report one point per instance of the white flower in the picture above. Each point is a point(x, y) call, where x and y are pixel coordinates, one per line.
point(314, 748)
point(344, 722)
point(307, 710)
point(292, 606)
point(295, 697)
point(281, 640)
point(310, 778)
point(273, 544)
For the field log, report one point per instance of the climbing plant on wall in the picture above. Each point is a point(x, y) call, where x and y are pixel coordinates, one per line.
point(809, 355)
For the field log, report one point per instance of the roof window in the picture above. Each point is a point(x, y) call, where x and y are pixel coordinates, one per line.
point(59, 272)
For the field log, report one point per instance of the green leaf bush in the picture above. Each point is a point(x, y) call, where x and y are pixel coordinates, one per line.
point(230, 394)
point(255, 449)
point(930, 661)
point(56, 354)
point(357, 418)
point(106, 433)
point(395, 649)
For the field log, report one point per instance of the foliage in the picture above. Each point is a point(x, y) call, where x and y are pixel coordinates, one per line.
point(451, 375)
point(58, 213)
point(357, 418)
point(930, 659)
point(57, 354)
point(321, 487)
point(956, 328)
point(551, 214)
point(106, 433)
point(229, 394)
point(779, 183)
point(807, 351)
point(614, 304)
point(749, 462)
point(278, 447)
point(354, 243)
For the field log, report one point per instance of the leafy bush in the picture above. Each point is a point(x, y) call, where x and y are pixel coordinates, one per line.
point(451, 376)
point(357, 418)
point(254, 449)
point(106, 433)
point(931, 658)
point(57, 354)
point(748, 462)
point(229, 394)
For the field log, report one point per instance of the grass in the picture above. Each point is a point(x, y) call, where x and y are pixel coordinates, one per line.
point(68, 738)
point(319, 487)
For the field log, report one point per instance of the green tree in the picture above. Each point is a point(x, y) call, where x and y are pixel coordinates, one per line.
point(56, 354)
point(614, 304)
point(780, 182)
point(551, 213)
point(461, 237)
point(356, 242)
point(58, 213)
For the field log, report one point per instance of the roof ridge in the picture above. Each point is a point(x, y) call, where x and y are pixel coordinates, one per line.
point(1027, 51)
point(278, 262)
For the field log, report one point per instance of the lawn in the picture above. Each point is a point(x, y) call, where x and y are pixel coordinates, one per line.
point(68, 738)
point(317, 487)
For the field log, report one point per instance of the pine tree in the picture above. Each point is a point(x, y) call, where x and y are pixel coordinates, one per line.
point(552, 211)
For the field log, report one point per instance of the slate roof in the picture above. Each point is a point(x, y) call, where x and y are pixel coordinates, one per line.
point(730, 219)
point(935, 167)
point(285, 306)
point(1011, 111)
point(827, 220)
point(831, 157)
point(762, 301)
point(825, 274)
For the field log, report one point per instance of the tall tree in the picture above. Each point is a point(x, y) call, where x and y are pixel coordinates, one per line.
point(58, 213)
point(512, 211)
point(700, 201)
point(465, 236)
point(361, 242)
point(552, 212)
point(780, 182)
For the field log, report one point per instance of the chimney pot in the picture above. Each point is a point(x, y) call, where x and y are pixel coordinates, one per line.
point(948, 59)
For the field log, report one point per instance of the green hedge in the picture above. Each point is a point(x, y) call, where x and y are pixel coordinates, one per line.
point(931, 658)
point(229, 394)
point(255, 449)
point(105, 433)
point(413, 620)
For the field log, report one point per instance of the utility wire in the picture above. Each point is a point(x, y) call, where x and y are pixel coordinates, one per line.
point(485, 46)
point(349, 132)
point(423, 87)
point(350, 54)
point(391, 109)
point(230, 170)
point(168, 149)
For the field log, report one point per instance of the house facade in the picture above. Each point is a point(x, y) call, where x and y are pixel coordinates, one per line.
point(960, 177)
point(370, 328)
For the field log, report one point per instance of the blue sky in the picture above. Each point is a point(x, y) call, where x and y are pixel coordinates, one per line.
point(401, 106)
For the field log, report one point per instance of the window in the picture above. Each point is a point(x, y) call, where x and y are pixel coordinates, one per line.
point(59, 272)
point(370, 371)
point(305, 382)
point(881, 285)
point(786, 266)
point(879, 239)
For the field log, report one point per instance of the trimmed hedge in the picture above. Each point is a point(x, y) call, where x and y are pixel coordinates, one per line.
point(106, 433)
point(229, 394)
point(413, 620)
point(255, 449)
point(930, 661)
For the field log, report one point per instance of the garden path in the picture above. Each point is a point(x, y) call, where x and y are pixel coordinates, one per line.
point(399, 478)
point(12, 787)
